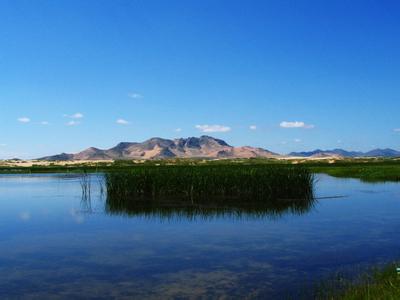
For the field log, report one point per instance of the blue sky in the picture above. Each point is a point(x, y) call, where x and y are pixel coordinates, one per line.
point(283, 75)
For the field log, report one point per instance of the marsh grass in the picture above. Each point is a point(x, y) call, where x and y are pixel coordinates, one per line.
point(209, 190)
point(367, 172)
point(219, 183)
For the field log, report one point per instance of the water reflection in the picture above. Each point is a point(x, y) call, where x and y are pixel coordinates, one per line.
point(181, 209)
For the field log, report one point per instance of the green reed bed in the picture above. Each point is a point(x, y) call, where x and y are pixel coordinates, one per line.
point(197, 185)
point(209, 191)
point(368, 172)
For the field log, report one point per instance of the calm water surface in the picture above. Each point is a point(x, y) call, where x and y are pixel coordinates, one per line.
point(53, 244)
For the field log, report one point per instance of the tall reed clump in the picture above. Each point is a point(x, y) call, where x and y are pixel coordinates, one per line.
point(221, 184)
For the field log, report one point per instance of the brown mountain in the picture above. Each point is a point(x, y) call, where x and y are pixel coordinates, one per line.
point(158, 148)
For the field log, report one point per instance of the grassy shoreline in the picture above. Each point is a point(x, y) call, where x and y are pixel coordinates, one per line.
point(369, 170)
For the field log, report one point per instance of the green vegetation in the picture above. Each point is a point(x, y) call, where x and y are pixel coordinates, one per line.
point(377, 284)
point(191, 190)
point(37, 169)
point(371, 170)
point(380, 171)
point(252, 183)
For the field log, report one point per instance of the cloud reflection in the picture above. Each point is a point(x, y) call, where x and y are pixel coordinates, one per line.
point(24, 216)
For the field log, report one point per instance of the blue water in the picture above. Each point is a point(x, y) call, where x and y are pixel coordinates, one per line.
point(54, 244)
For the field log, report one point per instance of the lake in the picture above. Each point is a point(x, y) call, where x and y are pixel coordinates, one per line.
point(54, 243)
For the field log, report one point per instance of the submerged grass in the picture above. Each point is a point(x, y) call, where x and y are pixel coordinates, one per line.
point(383, 283)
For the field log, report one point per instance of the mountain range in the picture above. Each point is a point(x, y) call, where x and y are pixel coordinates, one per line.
point(201, 147)
point(348, 154)
point(158, 148)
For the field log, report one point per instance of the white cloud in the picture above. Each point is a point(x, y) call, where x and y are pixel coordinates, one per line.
point(23, 120)
point(178, 129)
point(76, 116)
point(73, 123)
point(213, 128)
point(396, 130)
point(297, 140)
point(44, 123)
point(295, 124)
point(135, 95)
point(253, 127)
point(122, 122)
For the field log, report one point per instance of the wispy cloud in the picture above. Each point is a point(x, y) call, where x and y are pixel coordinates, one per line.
point(44, 123)
point(295, 124)
point(253, 127)
point(135, 95)
point(297, 140)
point(73, 123)
point(213, 128)
point(24, 120)
point(178, 129)
point(396, 130)
point(75, 119)
point(76, 116)
point(3, 145)
point(122, 122)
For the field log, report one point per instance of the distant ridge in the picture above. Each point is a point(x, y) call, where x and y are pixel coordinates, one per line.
point(388, 153)
point(159, 148)
point(203, 147)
